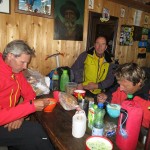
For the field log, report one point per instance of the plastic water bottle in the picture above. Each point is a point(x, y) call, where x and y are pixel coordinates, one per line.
point(64, 80)
point(91, 114)
point(98, 125)
point(55, 81)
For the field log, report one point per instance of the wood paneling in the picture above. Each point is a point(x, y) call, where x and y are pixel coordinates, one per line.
point(38, 32)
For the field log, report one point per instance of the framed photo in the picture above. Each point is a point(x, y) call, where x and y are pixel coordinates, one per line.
point(146, 19)
point(41, 8)
point(122, 13)
point(126, 35)
point(5, 6)
point(68, 20)
point(91, 4)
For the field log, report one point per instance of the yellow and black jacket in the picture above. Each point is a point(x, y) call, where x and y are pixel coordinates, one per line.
point(90, 68)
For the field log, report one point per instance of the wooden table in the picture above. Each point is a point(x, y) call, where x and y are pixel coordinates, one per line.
point(58, 125)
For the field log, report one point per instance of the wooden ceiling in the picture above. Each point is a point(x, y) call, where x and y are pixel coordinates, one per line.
point(143, 5)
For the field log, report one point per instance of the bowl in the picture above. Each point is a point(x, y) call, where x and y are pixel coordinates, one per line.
point(78, 93)
point(98, 143)
point(113, 110)
point(51, 106)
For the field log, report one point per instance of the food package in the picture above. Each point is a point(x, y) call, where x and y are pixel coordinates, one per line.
point(37, 81)
point(67, 101)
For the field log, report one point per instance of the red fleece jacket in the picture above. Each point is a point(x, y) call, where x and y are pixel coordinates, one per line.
point(119, 96)
point(12, 86)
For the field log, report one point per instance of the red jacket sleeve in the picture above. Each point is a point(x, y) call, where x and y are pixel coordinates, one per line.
point(146, 112)
point(10, 114)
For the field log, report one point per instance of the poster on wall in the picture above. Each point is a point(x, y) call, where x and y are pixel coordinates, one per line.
point(142, 45)
point(148, 42)
point(126, 35)
point(68, 20)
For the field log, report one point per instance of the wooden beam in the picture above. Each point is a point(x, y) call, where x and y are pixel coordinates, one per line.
point(134, 4)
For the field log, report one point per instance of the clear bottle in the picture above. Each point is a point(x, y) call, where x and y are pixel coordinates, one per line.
point(98, 125)
point(64, 80)
point(55, 81)
point(91, 113)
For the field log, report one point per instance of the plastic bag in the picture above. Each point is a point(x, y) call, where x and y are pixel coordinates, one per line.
point(109, 129)
point(37, 81)
point(67, 101)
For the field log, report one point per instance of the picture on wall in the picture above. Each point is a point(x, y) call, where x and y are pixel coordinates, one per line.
point(148, 42)
point(126, 35)
point(142, 45)
point(68, 20)
point(41, 8)
point(5, 6)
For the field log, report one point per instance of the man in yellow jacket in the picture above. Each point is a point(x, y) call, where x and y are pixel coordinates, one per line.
point(93, 70)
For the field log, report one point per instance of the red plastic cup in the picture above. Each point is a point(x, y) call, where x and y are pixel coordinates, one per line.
point(56, 95)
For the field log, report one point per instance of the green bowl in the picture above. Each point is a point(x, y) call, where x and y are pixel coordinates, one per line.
point(113, 110)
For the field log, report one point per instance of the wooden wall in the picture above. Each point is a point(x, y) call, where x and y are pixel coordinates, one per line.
point(38, 32)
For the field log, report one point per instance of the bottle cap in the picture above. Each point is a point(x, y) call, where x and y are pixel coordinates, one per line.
point(95, 106)
point(55, 75)
point(65, 71)
point(100, 105)
point(130, 96)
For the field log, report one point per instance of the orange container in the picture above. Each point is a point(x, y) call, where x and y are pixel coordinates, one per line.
point(51, 105)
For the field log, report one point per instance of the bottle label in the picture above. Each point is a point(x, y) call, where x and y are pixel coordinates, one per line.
point(97, 132)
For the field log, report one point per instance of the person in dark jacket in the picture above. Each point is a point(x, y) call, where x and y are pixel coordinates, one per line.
point(93, 70)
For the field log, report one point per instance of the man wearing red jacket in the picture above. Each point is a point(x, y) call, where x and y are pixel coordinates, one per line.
point(132, 80)
point(14, 131)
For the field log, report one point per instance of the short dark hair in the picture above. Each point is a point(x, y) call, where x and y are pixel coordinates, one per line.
point(102, 36)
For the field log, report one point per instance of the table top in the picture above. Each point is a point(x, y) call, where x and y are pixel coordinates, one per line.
point(58, 125)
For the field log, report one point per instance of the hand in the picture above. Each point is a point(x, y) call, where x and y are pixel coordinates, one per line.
point(80, 86)
point(14, 125)
point(91, 86)
point(101, 98)
point(40, 104)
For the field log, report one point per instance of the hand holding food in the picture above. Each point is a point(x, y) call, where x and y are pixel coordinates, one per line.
point(40, 104)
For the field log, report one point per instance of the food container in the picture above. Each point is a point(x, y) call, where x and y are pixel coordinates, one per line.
point(70, 87)
point(51, 105)
point(113, 110)
point(98, 143)
point(78, 93)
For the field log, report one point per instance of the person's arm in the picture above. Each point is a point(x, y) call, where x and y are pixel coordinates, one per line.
point(28, 106)
point(78, 67)
point(109, 79)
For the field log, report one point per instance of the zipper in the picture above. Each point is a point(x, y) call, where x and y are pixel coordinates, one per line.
point(98, 70)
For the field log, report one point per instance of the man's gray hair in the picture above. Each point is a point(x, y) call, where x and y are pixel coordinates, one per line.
point(18, 47)
point(131, 72)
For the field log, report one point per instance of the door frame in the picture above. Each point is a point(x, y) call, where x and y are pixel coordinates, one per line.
point(94, 20)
